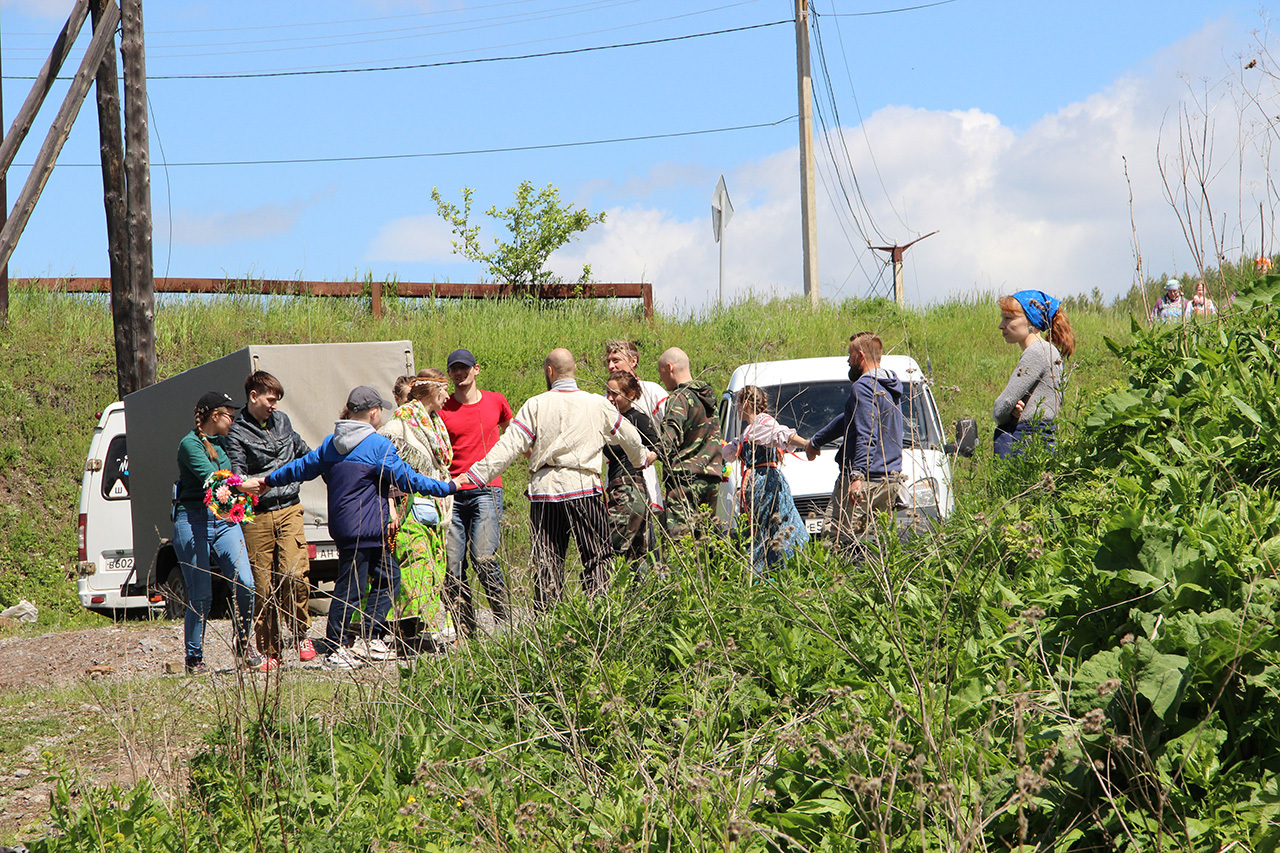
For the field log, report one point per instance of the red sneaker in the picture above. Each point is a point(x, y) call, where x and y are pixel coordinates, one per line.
point(269, 664)
point(306, 650)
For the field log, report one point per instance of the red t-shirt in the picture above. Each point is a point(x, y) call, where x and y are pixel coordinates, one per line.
point(474, 429)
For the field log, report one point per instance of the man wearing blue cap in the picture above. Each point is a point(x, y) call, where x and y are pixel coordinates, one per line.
point(475, 420)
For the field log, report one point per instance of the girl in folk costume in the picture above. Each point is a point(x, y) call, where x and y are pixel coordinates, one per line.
point(420, 437)
point(777, 529)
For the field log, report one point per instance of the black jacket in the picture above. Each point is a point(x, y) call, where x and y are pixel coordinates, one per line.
point(619, 464)
point(256, 449)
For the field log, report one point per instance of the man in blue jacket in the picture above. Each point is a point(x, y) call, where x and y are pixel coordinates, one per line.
point(870, 459)
point(360, 467)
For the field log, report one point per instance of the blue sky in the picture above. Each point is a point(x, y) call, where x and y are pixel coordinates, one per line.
point(1001, 123)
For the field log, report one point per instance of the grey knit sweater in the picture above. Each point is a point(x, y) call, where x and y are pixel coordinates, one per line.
point(1037, 381)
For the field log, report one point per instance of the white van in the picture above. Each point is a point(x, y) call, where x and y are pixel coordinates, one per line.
point(806, 394)
point(105, 526)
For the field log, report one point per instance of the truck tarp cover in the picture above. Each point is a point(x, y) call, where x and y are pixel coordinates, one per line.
point(316, 379)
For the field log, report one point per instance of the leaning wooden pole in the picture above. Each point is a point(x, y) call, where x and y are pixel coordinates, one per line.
point(4, 212)
point(111, 144)
point(58, 132)
point(44, 82)
point(141, 300)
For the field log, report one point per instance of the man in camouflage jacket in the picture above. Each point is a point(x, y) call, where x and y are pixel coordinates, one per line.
point(692, 466)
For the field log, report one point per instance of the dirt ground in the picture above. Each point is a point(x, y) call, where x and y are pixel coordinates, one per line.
point(97, 706)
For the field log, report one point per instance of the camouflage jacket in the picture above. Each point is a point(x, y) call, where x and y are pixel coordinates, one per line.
point(691, 433)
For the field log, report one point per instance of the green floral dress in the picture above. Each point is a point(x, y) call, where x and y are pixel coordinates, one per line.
point(422, 441)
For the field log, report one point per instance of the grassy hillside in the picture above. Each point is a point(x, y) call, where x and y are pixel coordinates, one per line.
point(1084, 658)
point(57, 371)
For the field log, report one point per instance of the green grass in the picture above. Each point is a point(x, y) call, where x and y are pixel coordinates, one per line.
point(1083, 658)
point(58, 371)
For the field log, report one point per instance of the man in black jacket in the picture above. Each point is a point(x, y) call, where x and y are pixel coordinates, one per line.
point(261, 440)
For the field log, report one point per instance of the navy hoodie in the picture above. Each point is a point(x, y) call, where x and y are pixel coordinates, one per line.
point(872, 427)
point(359, 466)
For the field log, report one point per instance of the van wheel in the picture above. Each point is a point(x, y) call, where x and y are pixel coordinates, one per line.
point(175, 594)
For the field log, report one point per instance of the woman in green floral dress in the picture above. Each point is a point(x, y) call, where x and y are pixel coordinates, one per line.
point(420, 437)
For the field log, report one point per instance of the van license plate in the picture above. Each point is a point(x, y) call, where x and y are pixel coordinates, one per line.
point(326, 552)
point(813, 525)
point(118, 564)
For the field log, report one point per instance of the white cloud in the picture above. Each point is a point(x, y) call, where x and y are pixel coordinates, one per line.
point(424, 238)
point(231, 226)
point(41, 8)
point(1046, 207)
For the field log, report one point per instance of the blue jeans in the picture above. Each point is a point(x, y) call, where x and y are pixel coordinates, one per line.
point(199, 540)
point(1009, 443)
point(475, 530)
point(361, 570)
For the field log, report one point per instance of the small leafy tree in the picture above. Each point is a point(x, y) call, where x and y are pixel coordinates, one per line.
point(539, 224)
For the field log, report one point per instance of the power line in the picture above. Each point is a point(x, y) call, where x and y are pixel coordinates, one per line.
point(445, 63)
point(883, 11)
point(509, 149)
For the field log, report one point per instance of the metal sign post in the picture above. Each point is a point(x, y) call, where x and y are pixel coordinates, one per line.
point(721, 213)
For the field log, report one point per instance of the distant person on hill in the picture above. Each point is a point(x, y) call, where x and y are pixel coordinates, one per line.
point(475, 420)
point(1201, 304)
point(870, 458)
point(200, 538)
point(1172, 307)
point(261, 440)
point(563, 433)
point(692, 467)
point(777, 530)
point(360, 468)
point(1031, 400)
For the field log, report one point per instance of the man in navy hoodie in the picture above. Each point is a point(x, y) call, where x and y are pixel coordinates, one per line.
point(360, 467)
point(870, 459)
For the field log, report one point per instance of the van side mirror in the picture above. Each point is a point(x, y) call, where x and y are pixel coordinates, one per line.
point(966, 438)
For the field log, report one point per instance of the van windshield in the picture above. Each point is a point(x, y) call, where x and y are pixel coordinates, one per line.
point(809, 406)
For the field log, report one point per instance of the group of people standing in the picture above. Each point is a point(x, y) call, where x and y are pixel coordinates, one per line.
point(1173, 307)
point(415, 498)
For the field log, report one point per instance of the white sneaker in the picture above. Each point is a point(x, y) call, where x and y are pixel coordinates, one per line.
point(343, 658)
point(372, 649)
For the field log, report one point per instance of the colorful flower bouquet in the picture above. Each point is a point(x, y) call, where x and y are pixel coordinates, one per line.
point(220, 495)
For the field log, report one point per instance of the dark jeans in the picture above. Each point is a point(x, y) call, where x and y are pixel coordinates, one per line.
point(550, 525)
point(361, 570)
point(1009, 442)
point(475, 531)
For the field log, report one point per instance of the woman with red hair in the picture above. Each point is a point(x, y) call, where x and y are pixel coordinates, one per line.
point(1030, 402)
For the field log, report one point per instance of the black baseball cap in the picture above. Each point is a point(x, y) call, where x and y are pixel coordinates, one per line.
point(362, 398)
point(214, 400)
point(461, 356)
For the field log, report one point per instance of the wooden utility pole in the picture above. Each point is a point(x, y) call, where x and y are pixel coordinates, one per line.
point(111, 145)
point(808, 200)
point(4, 214)
point(138, 299)
point(58, 132)
point(895, 253)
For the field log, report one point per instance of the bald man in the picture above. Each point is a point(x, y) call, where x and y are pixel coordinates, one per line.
point(563, 432)
point(692, 466)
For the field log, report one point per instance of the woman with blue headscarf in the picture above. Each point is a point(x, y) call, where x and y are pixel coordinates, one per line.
point(1030, 402)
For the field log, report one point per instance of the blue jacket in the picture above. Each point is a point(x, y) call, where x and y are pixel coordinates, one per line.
point(359, 466)
point(872, 427)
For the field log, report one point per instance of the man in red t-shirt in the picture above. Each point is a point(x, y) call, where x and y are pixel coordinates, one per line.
point(475, 420)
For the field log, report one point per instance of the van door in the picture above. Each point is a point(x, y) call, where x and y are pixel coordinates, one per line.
point(106, 518)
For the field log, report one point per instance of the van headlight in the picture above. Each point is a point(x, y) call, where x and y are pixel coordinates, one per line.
point(923, 494)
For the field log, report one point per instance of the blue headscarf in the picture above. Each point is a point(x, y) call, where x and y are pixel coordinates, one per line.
point(1038, 306)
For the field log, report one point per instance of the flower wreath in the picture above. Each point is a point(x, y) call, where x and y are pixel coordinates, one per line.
point(228, 504)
